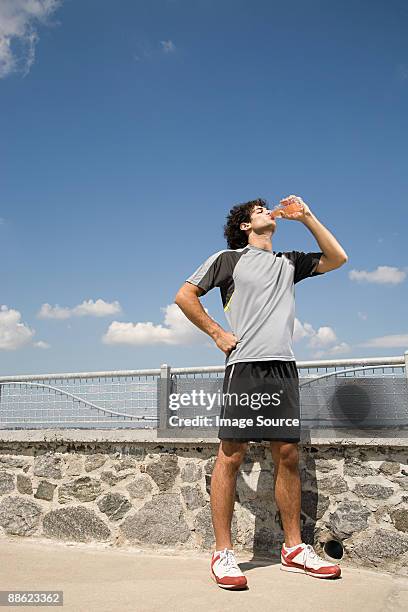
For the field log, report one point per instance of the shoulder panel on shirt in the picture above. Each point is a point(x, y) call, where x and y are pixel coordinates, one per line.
point(216, 271)
point(305, 264)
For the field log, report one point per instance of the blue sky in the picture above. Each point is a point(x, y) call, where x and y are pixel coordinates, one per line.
point(130, 128)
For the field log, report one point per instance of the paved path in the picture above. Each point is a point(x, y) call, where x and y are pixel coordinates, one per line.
point(103, 579)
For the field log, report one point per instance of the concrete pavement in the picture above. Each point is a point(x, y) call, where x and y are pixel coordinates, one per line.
point(97, 578)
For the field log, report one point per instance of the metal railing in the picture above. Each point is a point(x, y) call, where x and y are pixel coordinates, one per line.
point(130, 398)
point(80, 400)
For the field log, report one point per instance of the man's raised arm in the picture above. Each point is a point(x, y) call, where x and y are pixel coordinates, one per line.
point(334, 255)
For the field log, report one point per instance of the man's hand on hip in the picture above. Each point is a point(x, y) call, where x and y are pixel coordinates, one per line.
point(226, 341)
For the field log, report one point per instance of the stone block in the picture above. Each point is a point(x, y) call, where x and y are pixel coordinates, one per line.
point(45, 490)
point(112, 479)
point(191, 472)
point(390, 467)
point(19, 516)
point(354, 467)
point(127, 463)
point(333, 484)
point(193, 497)
point(10, 461)
point(159, 521)
point(140, 487)
point(24, 484)
point(349, 517)
point(164, 471)
point(114, 505)
point(48, 466)
point(373, 491)
point(75, 523)
point(399, 518)
point(83, 489)
point(7, 482)
point(203, 527)
point(74, 465)
point(93, 462)
point(382, 545)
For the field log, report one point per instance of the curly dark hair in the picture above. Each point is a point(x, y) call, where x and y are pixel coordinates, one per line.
point(241, 213)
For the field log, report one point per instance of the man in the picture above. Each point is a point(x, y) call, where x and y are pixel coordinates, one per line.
point(257, 291)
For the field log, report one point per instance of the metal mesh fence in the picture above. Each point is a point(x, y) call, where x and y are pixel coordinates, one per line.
point(368, 392)
point(338, 398)
point(100, 402)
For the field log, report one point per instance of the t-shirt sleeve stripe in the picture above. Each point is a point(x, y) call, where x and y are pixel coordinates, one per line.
point(305, 264)
point(209, 274)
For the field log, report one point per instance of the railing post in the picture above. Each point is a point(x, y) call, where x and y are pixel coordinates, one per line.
point(165, 385)
point(406, 363)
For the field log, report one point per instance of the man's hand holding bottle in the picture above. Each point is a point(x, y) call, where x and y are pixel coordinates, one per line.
point(292, 207)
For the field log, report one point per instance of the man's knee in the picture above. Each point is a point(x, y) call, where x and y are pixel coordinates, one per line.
point(231, 454)
point(287, 453)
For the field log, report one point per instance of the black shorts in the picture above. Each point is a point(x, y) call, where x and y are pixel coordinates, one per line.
point(261, 402)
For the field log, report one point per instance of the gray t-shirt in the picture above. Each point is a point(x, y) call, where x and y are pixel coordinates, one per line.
point(258, 295)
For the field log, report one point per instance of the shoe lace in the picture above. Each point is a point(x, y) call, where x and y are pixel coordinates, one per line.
point(227, 558)
point(311, 554)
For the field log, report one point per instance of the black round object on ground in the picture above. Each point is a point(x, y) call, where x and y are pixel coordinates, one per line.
point(333, 549)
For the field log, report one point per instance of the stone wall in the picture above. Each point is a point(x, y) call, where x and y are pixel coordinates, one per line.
point(103, 487)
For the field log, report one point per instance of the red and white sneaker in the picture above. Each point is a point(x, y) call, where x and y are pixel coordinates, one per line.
point(305, 560)
point(225, 571)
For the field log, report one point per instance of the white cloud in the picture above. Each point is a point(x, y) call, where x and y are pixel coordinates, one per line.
point(323, 340)
point(53, 312)
point(340, 348)
point(19, 20)
point(382, 275)
point(304, 330)
point(13, 332)
point(42, 345)
point(337, 349)
point(362, 316)
point(176, 329)
point(97, 308)
point(324, 337)
point(168, 46)
point(392, 341)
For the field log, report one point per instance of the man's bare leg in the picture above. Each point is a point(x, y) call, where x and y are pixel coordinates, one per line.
point(288, 488)
point(223, 485)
